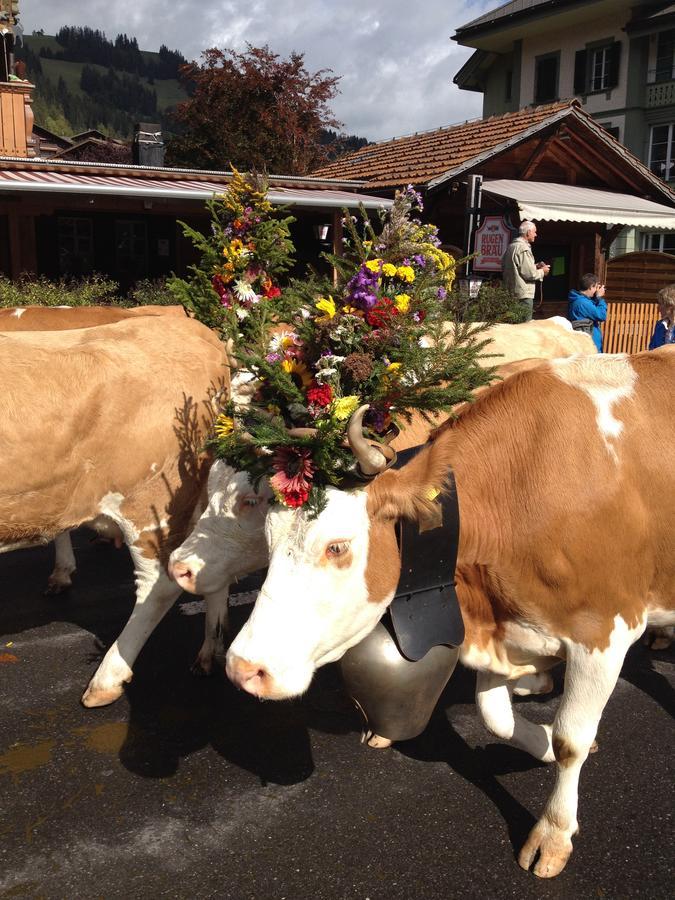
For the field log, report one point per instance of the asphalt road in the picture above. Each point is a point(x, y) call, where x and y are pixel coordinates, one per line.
point(187, 788)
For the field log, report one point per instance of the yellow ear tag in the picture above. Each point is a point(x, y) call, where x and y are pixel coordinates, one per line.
point(432, 493)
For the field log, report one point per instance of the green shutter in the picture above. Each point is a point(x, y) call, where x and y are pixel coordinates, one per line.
point(580, 72)
point(614, 57)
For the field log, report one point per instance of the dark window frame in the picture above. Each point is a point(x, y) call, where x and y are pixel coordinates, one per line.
point(77, 252)
point(538, 61)
point(584, 66)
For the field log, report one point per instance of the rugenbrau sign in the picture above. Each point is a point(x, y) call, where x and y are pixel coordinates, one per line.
point(490, 243)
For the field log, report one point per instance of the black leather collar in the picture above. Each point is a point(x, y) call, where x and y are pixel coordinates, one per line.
point(425, 611)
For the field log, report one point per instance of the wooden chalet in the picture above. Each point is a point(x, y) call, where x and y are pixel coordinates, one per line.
point(552, 163)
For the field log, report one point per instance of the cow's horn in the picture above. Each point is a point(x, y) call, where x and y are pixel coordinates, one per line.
point(370, 459)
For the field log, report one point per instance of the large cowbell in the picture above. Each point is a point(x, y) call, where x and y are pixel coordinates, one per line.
point(397, 673)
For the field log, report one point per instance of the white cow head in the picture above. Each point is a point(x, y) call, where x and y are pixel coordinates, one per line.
point(228, 541)
point(330, 579)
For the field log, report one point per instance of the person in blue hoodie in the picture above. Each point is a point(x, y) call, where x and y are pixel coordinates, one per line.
point(588, 303)
point(664, 332)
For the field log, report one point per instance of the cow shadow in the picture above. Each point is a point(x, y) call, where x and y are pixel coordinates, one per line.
point(173, 714)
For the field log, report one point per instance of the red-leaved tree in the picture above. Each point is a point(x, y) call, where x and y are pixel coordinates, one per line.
point(253, 110)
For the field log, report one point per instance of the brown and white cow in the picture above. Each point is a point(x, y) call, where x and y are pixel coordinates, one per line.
point(565, 477)
point(228, 541)
point(64, 318)
point(104, 426)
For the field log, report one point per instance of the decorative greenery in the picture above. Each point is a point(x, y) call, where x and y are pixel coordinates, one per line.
point(248, 249)
point(378, 337)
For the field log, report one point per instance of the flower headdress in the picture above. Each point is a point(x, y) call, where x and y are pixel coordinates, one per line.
point(249, 248)
point(358, 355)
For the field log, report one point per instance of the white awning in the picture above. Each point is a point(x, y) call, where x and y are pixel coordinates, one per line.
point(541, 201)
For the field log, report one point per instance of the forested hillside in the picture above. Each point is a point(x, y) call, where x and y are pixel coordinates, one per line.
point(83, 81)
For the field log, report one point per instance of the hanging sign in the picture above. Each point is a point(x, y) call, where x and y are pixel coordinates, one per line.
point(490, 243)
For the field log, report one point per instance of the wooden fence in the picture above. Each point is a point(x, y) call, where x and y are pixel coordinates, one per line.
point(633, 281)
point(629, 326)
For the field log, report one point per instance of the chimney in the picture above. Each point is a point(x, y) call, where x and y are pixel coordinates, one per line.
point(148, 147)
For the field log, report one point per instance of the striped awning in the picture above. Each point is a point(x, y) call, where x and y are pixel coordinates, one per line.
point(546, 202)
point(119, 185)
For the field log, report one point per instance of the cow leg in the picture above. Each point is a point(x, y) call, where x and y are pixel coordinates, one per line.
point(64, 564)
point(215, 626)
point(493, 700)
point(590, 678)
point(539, 683)
point(155, 595)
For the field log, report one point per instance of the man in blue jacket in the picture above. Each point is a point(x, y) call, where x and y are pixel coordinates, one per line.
point(588, 303)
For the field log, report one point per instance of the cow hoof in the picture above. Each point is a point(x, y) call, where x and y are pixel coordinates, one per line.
point(553, 848)
point(54, 588)
point(594, 747)
point(94, 697)
point(379, 743)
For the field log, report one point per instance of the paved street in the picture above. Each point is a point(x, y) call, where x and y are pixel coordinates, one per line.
point(186, 788)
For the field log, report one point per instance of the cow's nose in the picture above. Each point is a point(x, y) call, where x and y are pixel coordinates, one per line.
point(184, 575)
point(251, 677)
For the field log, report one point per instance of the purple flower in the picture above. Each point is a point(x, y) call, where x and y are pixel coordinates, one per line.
point(420, 259)
point(414, 197)
point(441, 293)
point(273, 357)
point(362, 288)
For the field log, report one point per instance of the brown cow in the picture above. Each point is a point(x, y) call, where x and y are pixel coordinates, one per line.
point(103, 426)
point(64, 318)
point(565, 477)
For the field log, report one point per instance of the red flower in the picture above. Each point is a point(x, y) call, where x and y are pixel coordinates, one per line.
point(293, 480)
point(381, 314)
point(272, 292)
point(320, 394)
point(222, 290)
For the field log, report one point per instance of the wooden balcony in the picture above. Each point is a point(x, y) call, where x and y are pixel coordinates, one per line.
point(661, 93)
point(16, 119)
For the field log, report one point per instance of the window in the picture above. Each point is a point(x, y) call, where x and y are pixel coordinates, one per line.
point(663, 243)
point(665, 57)
point(661, 151)
point(75, 245)
point(596, 68)
point(599, 73)
point(131, 247)
point(614, 130)
point(546, 78)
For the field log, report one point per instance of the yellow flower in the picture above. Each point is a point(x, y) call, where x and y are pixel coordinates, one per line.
point(402, 302)
point(393, 368)
point(406, 273)
point(343, 407)
point(326, 306)
point(389, 270)
point(223, 426)
point(293, 367)
point(374, 265)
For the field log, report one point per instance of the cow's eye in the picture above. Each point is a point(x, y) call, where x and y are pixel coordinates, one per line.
point(338, 548)
point(251, 500)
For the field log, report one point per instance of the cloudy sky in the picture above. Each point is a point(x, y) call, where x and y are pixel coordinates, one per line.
point(395, 57)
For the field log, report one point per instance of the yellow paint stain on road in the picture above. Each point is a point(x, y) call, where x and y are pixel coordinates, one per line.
point(25, 757)
point(108, 738)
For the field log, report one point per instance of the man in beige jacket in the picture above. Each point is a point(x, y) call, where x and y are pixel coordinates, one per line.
point(520, 273)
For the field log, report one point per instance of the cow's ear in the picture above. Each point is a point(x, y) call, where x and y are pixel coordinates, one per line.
point(410, 492)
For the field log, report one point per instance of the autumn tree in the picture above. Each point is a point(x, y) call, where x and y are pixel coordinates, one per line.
point(253, 110)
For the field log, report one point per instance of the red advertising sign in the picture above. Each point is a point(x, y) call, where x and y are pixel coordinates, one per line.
point(490, 243)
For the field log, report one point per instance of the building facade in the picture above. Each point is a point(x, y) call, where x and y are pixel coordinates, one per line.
point(617, 57)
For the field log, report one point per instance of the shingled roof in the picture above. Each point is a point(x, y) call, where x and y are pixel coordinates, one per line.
point(427, 156)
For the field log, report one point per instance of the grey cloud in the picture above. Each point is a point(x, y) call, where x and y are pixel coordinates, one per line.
point(396, 59)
